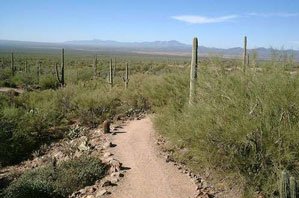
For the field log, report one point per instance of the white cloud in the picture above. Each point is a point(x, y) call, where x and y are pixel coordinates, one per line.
point(196, 19)
point(276, 14)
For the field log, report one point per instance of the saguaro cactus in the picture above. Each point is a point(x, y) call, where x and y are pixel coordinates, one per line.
point(126, 77)
point(60, 78)
point(283, 188)
point(245, 54)
point(287, 186)
point(95, 66)
point(293, 188)
point(111, 74)
point(193, 71)
point(12, 64)
point(62, 67)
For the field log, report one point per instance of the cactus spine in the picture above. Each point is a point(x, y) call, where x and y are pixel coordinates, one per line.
point(245, 54)
point(193, 71)
point(111, 74)
point(126, 78)
point(292, 187)
point(60, 78)
point(283, 188)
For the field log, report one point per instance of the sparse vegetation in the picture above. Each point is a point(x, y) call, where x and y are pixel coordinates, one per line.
point(57, 182)
point(241, 125)
point(245, 126)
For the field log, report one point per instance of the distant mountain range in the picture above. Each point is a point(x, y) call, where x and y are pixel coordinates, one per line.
point(109, 43)
point(172, 47)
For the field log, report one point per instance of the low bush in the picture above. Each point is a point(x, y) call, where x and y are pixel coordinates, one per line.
point(57, 182)
point(5, 78)
point(48, 82)
point(24, 79)
point(24, 124)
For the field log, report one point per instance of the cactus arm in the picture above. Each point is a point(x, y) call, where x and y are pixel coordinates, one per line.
point(57, 73)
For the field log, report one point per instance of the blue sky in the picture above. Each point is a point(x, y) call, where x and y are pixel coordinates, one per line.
point(217, 23)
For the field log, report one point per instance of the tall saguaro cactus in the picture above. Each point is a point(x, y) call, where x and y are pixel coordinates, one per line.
point(60, 78)
point(245, 54)
point(126, 77)
point(111, 74)
point(62, 67)
point(193, 71)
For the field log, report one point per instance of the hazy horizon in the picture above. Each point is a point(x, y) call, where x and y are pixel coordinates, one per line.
point(216, 24)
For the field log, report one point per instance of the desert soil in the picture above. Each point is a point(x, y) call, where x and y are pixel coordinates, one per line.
point(148, 175)
point(7, 89)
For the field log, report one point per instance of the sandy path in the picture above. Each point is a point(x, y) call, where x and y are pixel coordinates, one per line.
point(7, 89)
point(149, 175)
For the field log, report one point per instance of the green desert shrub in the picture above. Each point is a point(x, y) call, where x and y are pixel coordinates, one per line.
point(24, 79)
point(13, 135)
point(6, 78)
point(57, 182)
point(48, 82)
point(245, 125)
point(25, 121)
point(79, 74)
point(20, 132)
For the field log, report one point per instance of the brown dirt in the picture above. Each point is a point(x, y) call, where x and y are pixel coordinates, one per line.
point(147, 175)
point(8, 89)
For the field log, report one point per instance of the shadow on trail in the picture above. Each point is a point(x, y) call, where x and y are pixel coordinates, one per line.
point(125, 168)
point(118, 132)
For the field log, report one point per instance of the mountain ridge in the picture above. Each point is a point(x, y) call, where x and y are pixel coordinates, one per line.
point(167, 47)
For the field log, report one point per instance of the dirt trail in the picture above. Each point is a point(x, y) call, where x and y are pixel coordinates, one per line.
point(7, 89)
point(148, 175)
